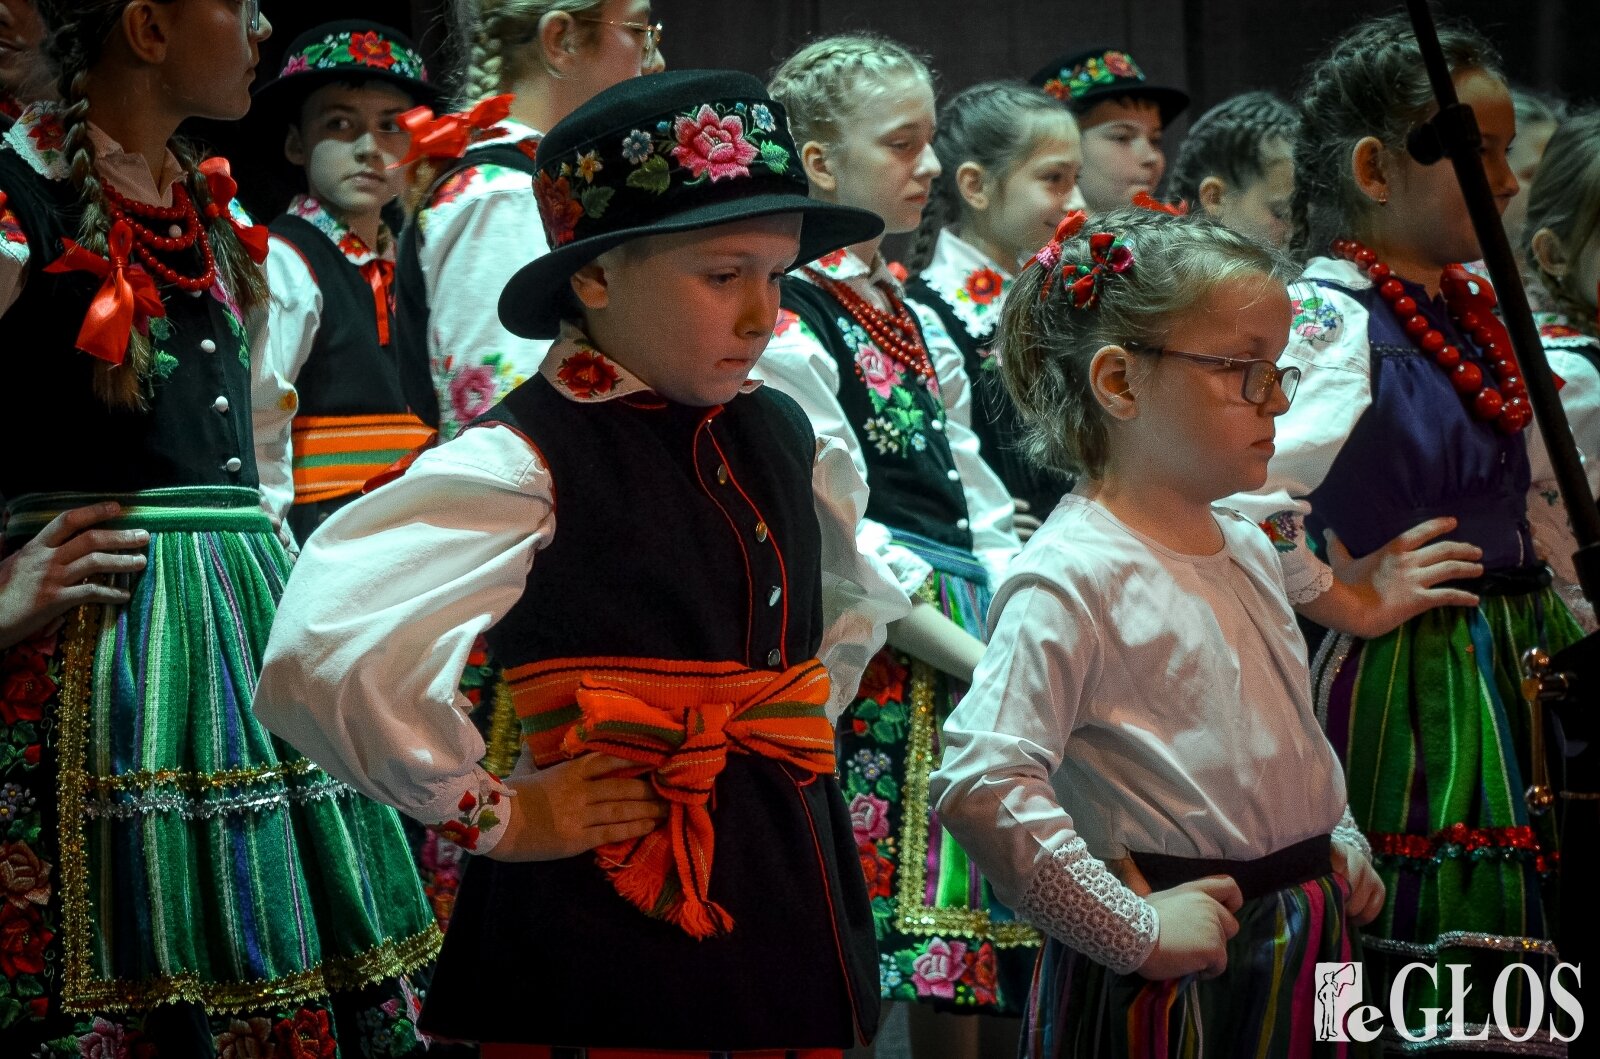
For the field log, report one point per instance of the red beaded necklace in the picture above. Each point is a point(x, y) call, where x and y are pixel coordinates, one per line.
point(146, 243)
point(1506, 407)
point(895, 333)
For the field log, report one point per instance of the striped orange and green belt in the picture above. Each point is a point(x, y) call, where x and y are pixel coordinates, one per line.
point(678, 721)
point(334, 456)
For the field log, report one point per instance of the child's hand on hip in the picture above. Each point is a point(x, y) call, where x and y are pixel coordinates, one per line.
point(575, 806)
point(1366, 889)
point(1195, 922)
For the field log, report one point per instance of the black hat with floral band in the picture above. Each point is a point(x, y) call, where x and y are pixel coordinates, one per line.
point(337, 52)
point(671, 152)
point(1098, 74)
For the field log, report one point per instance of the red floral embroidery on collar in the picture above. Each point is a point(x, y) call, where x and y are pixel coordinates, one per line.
point(48, 133)
point(983, 286)
point(586, 375)
point(831, 261)
point(787, 318)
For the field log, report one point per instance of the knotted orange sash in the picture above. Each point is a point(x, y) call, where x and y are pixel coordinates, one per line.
point(678, 721)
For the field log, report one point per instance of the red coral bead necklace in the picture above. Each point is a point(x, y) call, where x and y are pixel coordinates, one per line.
point(146, 243)
point(895, 332)
point(1506, 406)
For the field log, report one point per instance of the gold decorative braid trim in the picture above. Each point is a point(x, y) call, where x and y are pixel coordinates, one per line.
point(343, 974)
point(77, 668)
point(200, 781)
point(912, 916)
point(505, 732)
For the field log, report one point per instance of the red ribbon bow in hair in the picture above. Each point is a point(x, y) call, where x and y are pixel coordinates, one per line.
point(126, 301)
point(1049, 254)
point(1145, 201)
point(1110, 256)
point(449, 135)
point(222, 186)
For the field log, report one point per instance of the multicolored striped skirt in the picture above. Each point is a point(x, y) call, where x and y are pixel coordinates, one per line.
point(943, 937)
point(1263, 1005)
point(1436, 740)
point(178, 881)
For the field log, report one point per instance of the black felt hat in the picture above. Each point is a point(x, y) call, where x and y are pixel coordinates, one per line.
point(671, 152)
point(348, 50)
point(1093, 76)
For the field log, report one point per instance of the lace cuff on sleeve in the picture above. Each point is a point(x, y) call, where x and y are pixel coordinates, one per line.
point(1347, 831)
point(1075, 899)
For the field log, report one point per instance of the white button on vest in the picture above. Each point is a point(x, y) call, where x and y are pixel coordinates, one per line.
point(774, 656)
point(962, 523)
point(953, 474)
point(722, 474)
point(173, 231)
point(196, 293)
point(207, 346)
point(937, 424)
point(220, 405)
point(761, 532)
point(233, 464)
point(777, 593)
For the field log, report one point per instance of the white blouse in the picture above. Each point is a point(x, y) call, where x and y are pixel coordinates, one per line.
point(799, 365)
point(374, 628)
point(1132, 698)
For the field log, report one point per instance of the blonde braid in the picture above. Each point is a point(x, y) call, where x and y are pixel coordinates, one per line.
point(241, 277)
point(817, 83)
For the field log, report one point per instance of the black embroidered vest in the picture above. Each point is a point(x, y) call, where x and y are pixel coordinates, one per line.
point(995, 418)
point(196, 431)
point(681, 533)
point(911, 471)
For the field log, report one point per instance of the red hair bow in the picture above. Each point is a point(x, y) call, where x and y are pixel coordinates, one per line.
point(222, 187)
point(449, 135)
point(1049, 255)
point(1145, 201)
point(126, 301)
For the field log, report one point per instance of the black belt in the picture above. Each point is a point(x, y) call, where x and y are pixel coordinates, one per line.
point(1289, 866)
point(1515, 581)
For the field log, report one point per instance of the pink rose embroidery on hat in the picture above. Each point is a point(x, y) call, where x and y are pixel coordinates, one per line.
point(713, 146)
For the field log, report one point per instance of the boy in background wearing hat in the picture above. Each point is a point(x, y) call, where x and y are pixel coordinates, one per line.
point(664, 559)
point(336, 414)
point(1121, 116)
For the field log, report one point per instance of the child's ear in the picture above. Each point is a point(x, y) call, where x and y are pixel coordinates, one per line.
point(1369, 165)
point(1550, 254)
point(814, 160)
point(145, 28)
point(294, 147)
point(1110, 380)
point(1210, 193)
point(972, 185)
point(557, 42)
point(589, 283)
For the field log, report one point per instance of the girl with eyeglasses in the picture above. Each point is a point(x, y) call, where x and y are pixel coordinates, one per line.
point(174, 881)
point(1413, 410)
point(478, 218)
point(1137, 767)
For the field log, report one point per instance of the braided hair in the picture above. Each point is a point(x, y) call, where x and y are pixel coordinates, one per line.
point(996, 125)
point(495, 35)
point(1231, 141)
point(1046, 342)
point(79, 30)
point(817, 85)
point(1372, 82)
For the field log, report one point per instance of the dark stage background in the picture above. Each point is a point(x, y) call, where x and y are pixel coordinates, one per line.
point(1211, 48)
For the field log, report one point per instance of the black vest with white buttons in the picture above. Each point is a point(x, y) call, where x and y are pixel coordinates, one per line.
point(688, 534)
point(196, 429)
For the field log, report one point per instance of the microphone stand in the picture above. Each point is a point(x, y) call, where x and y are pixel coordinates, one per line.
point(1568, 682)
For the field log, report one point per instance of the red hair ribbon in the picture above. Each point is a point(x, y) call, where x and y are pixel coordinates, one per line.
point(222, 187)
point(1049, 255)
point(449, 135)
point(1145, 201)
point(126, 301)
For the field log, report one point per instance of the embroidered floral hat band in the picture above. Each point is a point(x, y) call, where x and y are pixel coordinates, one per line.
point(349, 50)
point(670, 152)
point(1098, 74)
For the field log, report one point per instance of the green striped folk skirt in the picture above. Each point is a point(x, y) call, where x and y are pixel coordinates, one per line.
point(943, 937)
point(1433, 730)
point(173, 879)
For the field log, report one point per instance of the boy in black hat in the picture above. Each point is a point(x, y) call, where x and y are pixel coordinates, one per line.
point(337, 414)
point(664, 559)
point(1121, 116)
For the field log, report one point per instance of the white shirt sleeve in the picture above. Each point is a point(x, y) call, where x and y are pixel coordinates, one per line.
point(860, 596)
point(1334, 359)
point(362, 669)
point(796, 364)
point(991, 511)
point(1548, 517)
point(993, 790)
point(294, 315)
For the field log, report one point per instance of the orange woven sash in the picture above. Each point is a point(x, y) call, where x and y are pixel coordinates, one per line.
point(335, 455)
point(678, 721)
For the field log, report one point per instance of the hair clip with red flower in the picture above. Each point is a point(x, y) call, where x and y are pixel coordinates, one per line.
point(449, 135)
point(1049, 254)
point(1145, 201)
point(1110, 255)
